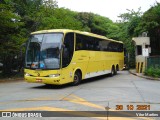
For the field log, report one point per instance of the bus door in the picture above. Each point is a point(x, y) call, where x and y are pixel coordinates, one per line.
point(67, 54)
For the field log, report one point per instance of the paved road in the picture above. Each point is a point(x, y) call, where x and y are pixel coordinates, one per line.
point(92, 95)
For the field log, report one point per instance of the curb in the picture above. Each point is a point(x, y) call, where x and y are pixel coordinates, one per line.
point(142, 76)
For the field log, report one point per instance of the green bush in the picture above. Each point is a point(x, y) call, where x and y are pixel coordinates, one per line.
point(154, 72)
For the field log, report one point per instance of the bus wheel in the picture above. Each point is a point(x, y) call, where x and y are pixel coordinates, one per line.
point(77, 78)
point(117, 69)
point(115, 72)
point(112, 71)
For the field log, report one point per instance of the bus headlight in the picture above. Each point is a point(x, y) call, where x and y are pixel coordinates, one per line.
point(54, 75)
point(27, 74)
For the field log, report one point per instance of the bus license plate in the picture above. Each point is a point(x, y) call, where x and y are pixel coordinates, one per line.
point(39, 80)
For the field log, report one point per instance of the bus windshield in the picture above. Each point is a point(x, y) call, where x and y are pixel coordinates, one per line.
point(43, 51)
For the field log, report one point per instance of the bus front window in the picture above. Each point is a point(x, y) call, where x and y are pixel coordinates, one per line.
point(43, 51)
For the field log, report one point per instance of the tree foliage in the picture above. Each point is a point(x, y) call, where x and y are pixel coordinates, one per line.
point(59, 18)
point(128, 24)
point(150, 19)
point(10, 39)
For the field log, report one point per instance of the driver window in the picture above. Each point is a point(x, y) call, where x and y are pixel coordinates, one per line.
point(68, 49)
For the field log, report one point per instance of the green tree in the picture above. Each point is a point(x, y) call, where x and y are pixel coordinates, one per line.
point(86, 19)
point(10, 39)
point(59, 18)
point(128, 25)
point(150, 19)
point(32, 12)
point(131, 20)
point(99, 25)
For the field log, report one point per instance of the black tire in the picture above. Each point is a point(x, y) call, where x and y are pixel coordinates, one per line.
point(116, 70)
point(77, 78)
point(112, 71)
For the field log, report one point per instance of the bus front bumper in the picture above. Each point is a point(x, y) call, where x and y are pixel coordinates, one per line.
point(44, 80)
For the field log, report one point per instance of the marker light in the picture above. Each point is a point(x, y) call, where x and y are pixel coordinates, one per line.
point(27, 74)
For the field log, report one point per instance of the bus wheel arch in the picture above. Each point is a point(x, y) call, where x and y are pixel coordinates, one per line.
point(77, 77)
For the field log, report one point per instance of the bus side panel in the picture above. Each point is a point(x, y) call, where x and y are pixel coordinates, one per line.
point(114, 58)
point(97, 64)
point(81, 59)
point(101, 62)
point(121, 61)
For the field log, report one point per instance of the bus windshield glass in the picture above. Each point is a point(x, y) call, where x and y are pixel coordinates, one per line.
point(43, 51)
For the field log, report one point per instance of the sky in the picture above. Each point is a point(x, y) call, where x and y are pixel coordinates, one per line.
point(107, 8)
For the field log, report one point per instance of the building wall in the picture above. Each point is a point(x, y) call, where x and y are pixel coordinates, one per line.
point(142, 44)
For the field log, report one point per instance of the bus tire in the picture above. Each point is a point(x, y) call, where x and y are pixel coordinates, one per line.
point(77, 78)
point(112, 71)
point(116, 70)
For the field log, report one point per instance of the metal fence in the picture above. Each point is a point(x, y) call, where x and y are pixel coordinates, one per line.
point(153, 61)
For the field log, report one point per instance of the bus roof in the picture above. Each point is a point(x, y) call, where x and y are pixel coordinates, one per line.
point(75, 31)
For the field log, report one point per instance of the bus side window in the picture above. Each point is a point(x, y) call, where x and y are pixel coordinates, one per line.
point(68, 49)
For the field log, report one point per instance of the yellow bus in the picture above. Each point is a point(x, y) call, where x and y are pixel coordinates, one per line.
point(61, 56)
